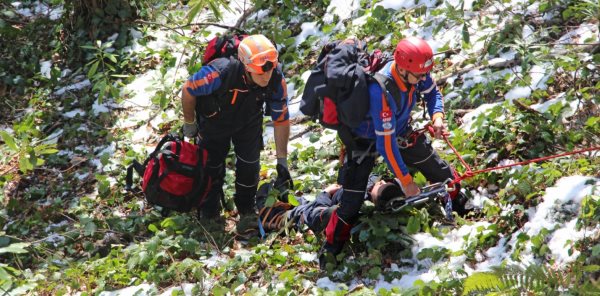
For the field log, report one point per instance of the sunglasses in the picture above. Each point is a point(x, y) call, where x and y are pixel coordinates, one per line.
point(418, 76)
point(268, 66)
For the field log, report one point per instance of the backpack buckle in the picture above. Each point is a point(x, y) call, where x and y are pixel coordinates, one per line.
point(404, 143)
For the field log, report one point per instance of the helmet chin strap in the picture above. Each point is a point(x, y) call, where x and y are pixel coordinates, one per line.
point(404, 77)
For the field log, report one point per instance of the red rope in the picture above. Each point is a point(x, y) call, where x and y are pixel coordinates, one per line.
point(470, 173)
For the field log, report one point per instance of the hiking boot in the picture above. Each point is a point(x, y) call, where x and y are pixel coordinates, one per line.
point(275, 217)
point(215, 225)
point(327, 256)
point(262, 194)
point(461, 205)
point(247, 226)
point(212, 207)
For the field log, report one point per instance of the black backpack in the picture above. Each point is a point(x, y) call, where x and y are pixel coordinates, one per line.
point(336, 92)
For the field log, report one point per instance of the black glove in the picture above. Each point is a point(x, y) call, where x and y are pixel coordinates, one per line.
point(284, 180)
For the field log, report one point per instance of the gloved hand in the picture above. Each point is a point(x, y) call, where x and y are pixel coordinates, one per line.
point(190, 130)
point(284, 180)
point(439, 128)
point(411, 189)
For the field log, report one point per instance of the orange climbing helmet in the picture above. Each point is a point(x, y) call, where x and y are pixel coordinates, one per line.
point(258, 54)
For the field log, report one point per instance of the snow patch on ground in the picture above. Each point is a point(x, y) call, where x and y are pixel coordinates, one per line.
point(567, 193)
point(308, 257)
point(308, 29)
point(140, 91)
point(539, 76)
point(45, 68)
point(74, 113)
point(327, 284)
point(139, 290)
point(400, 4)
point(344, 9)
point(215, 260)
point(560, 99)
point(76, 86)
point(585, 33)
point(568, 190)
point(39, 10)
point(469, 118)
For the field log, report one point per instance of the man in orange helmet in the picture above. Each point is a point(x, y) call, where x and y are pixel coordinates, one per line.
point(223, 104)
point(385, 132)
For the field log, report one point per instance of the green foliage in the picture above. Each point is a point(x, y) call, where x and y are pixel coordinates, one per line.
point(113, 240)
point(25, 146)
point(535, 279)
point(214, 5)
point(585, 10)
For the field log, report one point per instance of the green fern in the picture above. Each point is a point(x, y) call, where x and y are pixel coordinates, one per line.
point(508, 280)
point(482, 282)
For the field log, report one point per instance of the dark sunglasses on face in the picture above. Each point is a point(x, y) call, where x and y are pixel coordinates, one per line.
point(418, 76)
point(267, 66)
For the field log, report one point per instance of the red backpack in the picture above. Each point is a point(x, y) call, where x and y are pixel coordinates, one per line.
point(173, 176)
point(222, 47)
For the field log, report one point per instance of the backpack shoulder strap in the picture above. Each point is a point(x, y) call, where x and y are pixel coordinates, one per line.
point(139, 168)
point(388, 84)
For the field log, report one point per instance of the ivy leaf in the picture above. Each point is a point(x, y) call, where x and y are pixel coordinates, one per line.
point(153, 228)
point(195, 8)
point(465, 34)
point(93, 69)
point(374, 272)
point(5, 277)
point(270, 201)
point(591, 268)
point(413, 225)
point(16, 248)
point(292, 200)
point(4, 241)
point(9, 140)
point(90, 228)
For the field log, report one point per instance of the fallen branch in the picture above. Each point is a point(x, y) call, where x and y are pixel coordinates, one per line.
point(521, 106)
point(456, 72)
point(462, 112)
point(205, 24)
point(302, 133)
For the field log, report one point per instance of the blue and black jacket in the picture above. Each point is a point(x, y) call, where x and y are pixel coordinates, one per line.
point(389, 119)
point(222, 87)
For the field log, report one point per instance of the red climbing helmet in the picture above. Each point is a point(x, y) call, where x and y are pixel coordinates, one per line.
point(414, 55)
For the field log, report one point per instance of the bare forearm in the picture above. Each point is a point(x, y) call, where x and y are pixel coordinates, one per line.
point(188, 103)
point(282, 136)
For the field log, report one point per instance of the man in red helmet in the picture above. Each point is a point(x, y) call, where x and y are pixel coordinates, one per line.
point(223, 104)
point(384, 133)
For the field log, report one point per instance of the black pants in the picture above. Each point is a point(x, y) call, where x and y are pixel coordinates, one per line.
point(354, 174)
point(247, 143)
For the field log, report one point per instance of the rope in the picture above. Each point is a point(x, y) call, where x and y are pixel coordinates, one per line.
point(470, 173)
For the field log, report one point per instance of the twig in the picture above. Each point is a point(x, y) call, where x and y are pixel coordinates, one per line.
point(300, 134)
point(521, 106)
point(462, 112)
point(449, 51)
point(573, 44)
point(206, 24)
point(242, 18)
point(499, 64)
